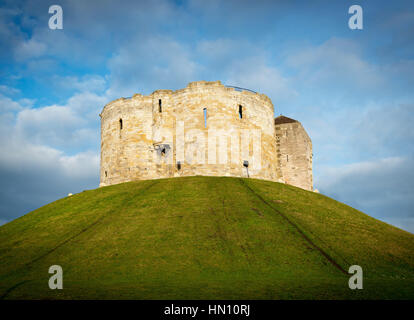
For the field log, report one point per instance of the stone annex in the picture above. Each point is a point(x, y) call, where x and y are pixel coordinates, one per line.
point(204, 129)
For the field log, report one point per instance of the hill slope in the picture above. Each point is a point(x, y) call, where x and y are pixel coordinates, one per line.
point(203, 238)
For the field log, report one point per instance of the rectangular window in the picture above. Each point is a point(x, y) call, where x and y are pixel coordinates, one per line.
point(240, 112)
point(205, 117)
point(159, 105)
point(120, 124)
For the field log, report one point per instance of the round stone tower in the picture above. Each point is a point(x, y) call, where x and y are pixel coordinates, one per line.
point(204, 129)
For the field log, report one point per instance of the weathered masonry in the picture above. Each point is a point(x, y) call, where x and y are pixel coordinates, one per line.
point(294, 149)
point(204, 129)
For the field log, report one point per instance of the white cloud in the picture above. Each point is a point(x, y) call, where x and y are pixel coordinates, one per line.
point(34, 173)
point(383, 130)
point(8, 91)
point(45, 135)
point(87, 25)
point(81, 165)
point(88, 105)
point(22, 156)
point(52, 125)
point(47, 152)
point(244, 64)
point(336, 174)
point(382, 188)
point(336, 61)
point(9, 105)
point(223, 52)
point(253, 73)
point(87, 83)
point(149, 64)
point(30, 49)
point(71, 126)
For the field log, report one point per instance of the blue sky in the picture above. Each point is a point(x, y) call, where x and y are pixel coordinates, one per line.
point(351, 89)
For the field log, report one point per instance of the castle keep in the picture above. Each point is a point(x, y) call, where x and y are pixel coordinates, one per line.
point(204, 129)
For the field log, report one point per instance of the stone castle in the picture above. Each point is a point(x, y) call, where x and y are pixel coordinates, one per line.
point(204, 129)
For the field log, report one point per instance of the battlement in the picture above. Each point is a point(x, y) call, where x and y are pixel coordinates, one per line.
point(195, 86)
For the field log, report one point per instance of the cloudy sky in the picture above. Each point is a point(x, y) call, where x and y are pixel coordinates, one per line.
point(351, 89)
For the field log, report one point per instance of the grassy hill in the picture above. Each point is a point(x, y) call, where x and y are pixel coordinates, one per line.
point(203, 238)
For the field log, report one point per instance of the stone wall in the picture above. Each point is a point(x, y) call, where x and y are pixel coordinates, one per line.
point(166, 134)
point(294, 148)
point(146, 145)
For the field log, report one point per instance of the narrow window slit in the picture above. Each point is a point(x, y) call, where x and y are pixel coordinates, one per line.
point(159, 105)
point(120, 124)
point(240, 112)
point(205, 117)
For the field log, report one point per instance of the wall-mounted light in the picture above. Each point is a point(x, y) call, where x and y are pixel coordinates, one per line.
point(246, 165)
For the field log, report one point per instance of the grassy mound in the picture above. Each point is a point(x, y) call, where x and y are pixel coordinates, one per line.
point(203, 238)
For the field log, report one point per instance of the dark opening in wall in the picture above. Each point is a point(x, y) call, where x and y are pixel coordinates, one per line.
point(178, 165)
point(162, 150)
point(106, 174)
point(287, 158)
point(159, 105)
point(205, 117)
point(120, 124)
point(240, 112)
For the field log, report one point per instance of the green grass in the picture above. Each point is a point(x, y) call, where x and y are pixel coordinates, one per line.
point(203, 238)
